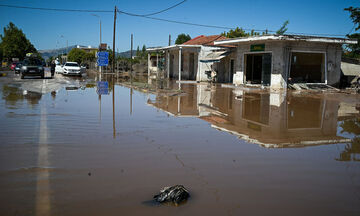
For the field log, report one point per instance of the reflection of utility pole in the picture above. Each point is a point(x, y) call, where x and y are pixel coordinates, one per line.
point(113, 101)
point(131, 93)
point(100, 107)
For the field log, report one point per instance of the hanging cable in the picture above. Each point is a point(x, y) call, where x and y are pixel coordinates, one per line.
point(147, 16)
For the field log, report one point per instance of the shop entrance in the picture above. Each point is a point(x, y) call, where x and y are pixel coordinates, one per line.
point(307, 67)
point(258, 68)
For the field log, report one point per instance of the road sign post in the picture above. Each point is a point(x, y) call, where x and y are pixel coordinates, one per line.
point(103, 59)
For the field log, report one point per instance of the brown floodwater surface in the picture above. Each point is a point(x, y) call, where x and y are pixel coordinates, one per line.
point(73, 152)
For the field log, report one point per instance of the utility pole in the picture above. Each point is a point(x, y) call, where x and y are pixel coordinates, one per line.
point(169, 39)
point(131, 56)
point(113, 62)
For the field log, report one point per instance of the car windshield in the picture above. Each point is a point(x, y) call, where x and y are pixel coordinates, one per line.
point(32, 62)
point(72, 64)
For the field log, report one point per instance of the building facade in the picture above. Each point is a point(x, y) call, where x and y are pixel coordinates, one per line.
point(184, 61)
point(277, 60)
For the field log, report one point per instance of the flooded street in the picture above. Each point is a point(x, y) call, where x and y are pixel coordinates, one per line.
point(66, 150)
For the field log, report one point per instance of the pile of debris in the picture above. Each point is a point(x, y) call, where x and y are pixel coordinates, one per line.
point(312, 86)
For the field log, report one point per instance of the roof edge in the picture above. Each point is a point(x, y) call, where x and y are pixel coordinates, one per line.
point(288, 38)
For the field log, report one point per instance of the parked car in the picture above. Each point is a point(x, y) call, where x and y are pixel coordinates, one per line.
point(72, 68)
point(32, 67)
point(18, 67)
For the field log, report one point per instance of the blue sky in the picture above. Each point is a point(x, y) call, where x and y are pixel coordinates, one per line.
point(49, 29)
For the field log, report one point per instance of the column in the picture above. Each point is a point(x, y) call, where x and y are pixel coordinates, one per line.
point(180, 64)
point(149, 63)
point(168, 64)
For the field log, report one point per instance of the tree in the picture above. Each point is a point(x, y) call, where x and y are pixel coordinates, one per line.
point(1, 53)
point(239, 32)
point(143, 49)
point(283, 28)
point(76, 55)
point(353, 50)
point(182, 38)
point(354, 16)
point(138, 51)
point(14, 43)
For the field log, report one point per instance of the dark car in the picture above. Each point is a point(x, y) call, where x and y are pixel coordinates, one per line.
point(18, 67)
point(32, 67)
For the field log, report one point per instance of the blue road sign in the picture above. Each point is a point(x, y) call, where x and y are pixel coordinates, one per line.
point(102, 58)
point(102, 88)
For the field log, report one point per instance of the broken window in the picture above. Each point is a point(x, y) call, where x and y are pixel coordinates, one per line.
point(307, 67)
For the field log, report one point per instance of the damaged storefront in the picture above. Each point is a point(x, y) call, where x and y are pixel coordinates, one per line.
point(281, 60)
point(193, 60)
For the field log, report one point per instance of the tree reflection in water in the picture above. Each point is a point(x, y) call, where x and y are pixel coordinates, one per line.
point(352, 150)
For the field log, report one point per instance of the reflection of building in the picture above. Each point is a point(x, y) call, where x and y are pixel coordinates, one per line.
point(271, 120)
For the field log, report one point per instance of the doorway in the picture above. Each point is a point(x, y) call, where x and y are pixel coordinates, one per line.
point(171, 66)
point(231, 70)
point(258, 68)
point(307, 67)
point(192, 75)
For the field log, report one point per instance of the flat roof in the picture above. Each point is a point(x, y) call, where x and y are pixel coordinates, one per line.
point(288, 38)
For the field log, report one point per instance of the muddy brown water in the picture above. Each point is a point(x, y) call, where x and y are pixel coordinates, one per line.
point(239, 153)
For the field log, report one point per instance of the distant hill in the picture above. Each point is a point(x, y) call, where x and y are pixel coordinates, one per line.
point(126, 54)
point(54, 52)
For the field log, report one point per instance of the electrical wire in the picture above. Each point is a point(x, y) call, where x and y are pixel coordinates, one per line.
point(226, 27)
point(151, 14)
point(57, 9)
point(92, 11)
point(147, 16)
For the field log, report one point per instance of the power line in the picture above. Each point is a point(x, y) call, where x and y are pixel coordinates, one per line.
point(224, 27)
point(147, 16)
point(57, 9)
point(151, 14)
point(91, 11)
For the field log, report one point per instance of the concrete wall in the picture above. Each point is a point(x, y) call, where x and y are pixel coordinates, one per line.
point(281, 51)
point(185, 73)
point(223, 68)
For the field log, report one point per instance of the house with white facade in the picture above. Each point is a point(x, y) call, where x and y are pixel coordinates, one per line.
point(279, 60)
point(190, 60)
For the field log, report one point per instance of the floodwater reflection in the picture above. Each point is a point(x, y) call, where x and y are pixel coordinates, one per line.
point(80, 153)
point(272, 120)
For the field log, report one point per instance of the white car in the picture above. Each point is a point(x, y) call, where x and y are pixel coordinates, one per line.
point(71, 68)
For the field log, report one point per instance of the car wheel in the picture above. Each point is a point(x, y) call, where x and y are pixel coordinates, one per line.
point(358, 81)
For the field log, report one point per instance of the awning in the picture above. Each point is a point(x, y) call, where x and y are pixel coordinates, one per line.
point(215, 56)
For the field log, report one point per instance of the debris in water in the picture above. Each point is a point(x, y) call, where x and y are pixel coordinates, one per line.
point(175, 194)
